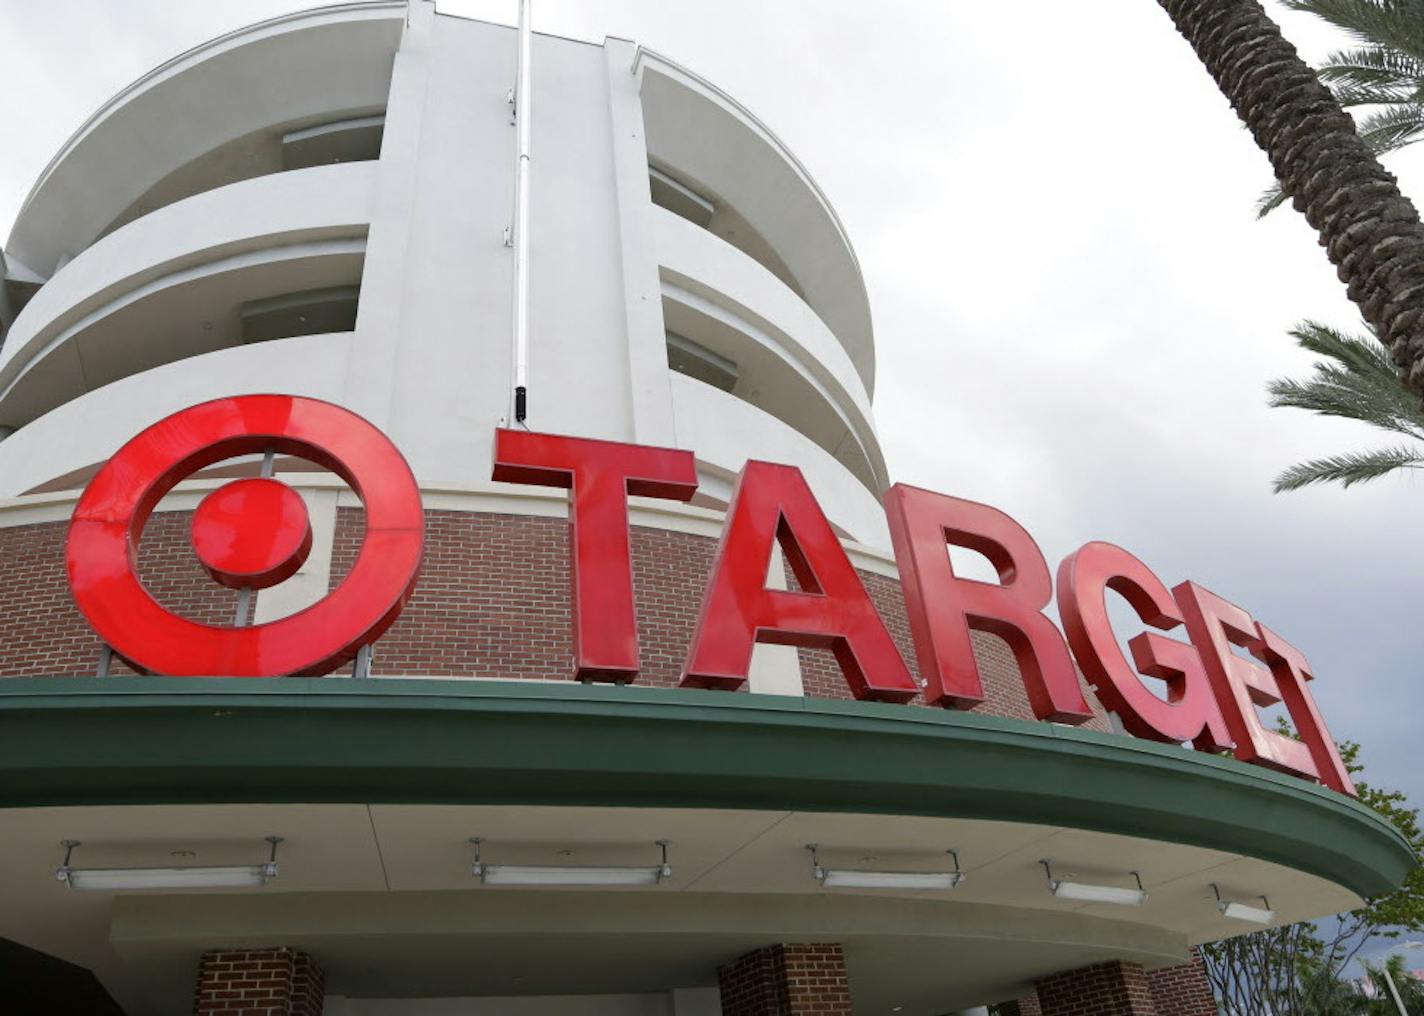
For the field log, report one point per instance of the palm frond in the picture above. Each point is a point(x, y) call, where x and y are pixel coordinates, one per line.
point(1356, 380)
point(1392, 75)
point(1362, 354)
point(1330, 393)
point(1398, 24)
point(1271, 198)
point(1349, 96)
point(1349, 469)
point(1392, 129)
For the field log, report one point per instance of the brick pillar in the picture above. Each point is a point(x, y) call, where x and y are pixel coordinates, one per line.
point(1027, 1006)
point(786, 980)
point(259, 982)
point(1183, 990)
point(1103, 989)
point(309, 987)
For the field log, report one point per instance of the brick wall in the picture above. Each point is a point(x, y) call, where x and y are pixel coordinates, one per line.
point(1175, 991)
point(1103, 989)
point(42, 632)
point(258, 982)
point(786, 980)
point(1183, 990)
point(492, 601)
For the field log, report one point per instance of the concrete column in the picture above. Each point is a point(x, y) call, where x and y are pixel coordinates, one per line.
point(376, 345)
point(259, 982)
point(650, 385)
point(787, 980)
point(1104, 989)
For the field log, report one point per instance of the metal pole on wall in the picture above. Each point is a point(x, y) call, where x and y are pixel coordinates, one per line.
point(523, 119)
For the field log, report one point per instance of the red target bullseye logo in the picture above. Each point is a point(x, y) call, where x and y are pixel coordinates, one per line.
point(250, 533)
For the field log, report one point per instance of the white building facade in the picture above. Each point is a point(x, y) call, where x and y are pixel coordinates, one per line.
point(319, 206)
point(352, 172)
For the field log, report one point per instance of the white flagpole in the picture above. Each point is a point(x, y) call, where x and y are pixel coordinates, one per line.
point(523, 118)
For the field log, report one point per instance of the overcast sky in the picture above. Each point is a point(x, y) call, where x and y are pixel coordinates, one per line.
point(1076, 312)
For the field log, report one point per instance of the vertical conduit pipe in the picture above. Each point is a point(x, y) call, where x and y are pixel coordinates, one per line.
point(523, 117)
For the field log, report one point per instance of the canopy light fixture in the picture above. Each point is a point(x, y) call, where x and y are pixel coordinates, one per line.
point(860, 878)
point(565, 875)
point(1242, 912)
point(240, 876)
point(1095, 893)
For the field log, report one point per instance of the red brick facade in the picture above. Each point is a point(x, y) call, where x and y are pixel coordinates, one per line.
point(786, 980)
point(259, 982)
point(308, 986)
point(492, 601)
point(41, 631)
point(1103, 989)
point(1183, 990)
point(1174, 991)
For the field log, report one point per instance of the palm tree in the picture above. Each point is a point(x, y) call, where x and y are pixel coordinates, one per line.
point(1385, 71)
point(1370, 231)
point(1355, 380)
point(1410, 988)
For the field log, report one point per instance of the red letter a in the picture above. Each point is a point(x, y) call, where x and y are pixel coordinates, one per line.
point(772, 502)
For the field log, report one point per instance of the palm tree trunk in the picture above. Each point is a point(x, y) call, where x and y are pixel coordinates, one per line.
point(1370, 231)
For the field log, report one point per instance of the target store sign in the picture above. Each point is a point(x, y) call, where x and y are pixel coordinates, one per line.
point(253, 533)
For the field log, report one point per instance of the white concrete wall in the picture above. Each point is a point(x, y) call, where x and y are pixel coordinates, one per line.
point(86, 431)
point(247, 223)
point(708, 137)
point(296, 69)
point(430, 359)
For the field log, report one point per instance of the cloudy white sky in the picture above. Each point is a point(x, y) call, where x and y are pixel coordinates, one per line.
point(1076, 312)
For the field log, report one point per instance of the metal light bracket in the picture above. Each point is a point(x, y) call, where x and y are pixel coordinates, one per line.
point(819, 872)
point(63, 872)
point(1054, 883)
point(1216, 889)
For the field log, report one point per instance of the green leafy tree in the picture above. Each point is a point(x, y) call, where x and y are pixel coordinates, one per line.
point(1354, 379)
point(1383, 72)
point(1299, 969)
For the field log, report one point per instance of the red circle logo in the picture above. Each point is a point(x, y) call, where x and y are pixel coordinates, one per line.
point(251, 533)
